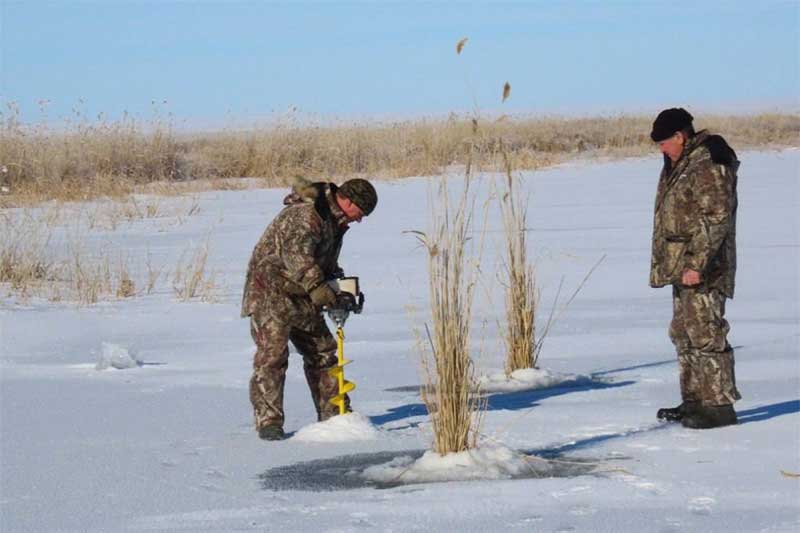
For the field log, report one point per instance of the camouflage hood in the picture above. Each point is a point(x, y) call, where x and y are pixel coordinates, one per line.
point(319, 193)
point(716, 146)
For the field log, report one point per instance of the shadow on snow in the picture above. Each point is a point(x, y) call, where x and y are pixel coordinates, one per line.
point(634, 367)
point(765, 412)
point(503, 401)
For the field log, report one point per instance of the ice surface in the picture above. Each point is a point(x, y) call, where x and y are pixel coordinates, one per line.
point(170, 445)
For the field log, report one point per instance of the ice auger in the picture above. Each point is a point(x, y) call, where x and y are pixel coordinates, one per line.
point(349, 300)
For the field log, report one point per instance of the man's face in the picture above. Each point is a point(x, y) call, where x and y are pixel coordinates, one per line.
point(350, 210)
point(673, 146)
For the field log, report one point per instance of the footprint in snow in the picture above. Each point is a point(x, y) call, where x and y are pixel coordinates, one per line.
point(641, 484)
point(582, 510)
point(214, 473)
point(361, 520)
point(526, 522)
point(572, 491)
point(701, 505)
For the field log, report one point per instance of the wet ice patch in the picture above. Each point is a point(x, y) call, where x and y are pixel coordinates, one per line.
point(116, 357)
point(342, 428)
point(385, 470)
point(529, 379)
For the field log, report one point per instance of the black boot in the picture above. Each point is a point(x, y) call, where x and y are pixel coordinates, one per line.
point(271, 433)
point(676, 414)
point(710, 416)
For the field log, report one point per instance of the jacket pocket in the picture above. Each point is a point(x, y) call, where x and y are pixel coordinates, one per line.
point(673, 260)
point(677, 238)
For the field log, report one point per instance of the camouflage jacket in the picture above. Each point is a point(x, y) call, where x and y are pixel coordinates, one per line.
point(299, 249)
point(695, 215)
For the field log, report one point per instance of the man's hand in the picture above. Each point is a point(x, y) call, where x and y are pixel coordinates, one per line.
point(690, 277)
point(323, 295)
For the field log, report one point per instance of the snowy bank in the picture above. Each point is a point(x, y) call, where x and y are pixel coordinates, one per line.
point(529, 379)
point(342, 428)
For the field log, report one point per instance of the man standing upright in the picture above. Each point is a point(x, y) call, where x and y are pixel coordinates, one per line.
point(694, 250)
point(286, 290)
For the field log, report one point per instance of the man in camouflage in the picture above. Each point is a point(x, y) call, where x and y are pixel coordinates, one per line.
point(286, 290)
point(694, 250)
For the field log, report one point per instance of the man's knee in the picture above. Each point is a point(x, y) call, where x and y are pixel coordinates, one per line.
point(320, 361)
point(318, 348)
point(271, 338)
point(707, 336)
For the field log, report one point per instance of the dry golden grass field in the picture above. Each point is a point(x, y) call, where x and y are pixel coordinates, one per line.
point(88, 159)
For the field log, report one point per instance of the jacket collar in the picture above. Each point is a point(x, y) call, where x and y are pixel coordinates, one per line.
point(672, 172)
point(336, 211)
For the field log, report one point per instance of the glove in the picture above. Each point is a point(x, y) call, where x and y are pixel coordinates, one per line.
point(345, 300)
point(322, 295)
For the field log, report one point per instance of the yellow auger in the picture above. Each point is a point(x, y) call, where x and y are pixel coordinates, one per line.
point(349, 299)
point(338, 372)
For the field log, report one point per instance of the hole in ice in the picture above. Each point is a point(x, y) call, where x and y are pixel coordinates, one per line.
point(348, 472)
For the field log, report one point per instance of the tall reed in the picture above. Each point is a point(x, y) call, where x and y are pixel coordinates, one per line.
point(450, 393)
point(521, 296)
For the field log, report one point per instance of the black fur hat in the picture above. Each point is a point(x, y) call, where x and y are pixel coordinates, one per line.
point(669, 121)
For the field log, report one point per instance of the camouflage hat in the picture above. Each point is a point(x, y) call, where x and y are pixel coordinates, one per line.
point(670, 121)
point(360, 192)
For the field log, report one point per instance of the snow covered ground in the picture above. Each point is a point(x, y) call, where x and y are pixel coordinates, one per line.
point(133, 414)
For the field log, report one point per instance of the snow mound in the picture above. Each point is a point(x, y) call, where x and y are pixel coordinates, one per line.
point(116, 356)
point(342, 428)
point(528, 379)
point(485, 462)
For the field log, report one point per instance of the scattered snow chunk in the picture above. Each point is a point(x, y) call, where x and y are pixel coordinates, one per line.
point(342, 428)
point(485, 462)
point(529, 379)
point(116, 356)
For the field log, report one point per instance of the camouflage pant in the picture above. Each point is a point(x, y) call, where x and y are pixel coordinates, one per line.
point(705, 359)
point(272, 329)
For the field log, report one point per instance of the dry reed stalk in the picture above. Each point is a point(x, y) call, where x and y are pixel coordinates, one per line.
point(450, 393)
point(191, 279)
point(153, 274)
point(521, 296)
point(25, 255)
point(125, 286)
point(33, 262)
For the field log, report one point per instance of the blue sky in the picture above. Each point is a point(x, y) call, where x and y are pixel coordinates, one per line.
point(218, 62)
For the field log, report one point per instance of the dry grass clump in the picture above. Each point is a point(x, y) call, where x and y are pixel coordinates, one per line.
point(191, 278)
point(521, 297)
point(25, 257)
point(31, 266)
point(450, 393)
point(39, 260)
point(89, 278)
point(109, 215)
